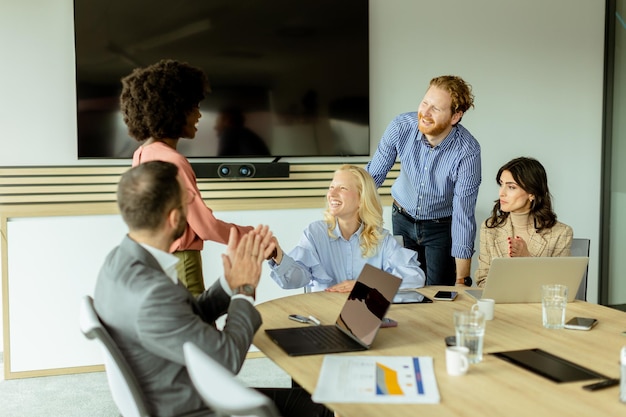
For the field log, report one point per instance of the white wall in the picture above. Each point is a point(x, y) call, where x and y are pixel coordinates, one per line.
point(49, 297)
point(537, 77)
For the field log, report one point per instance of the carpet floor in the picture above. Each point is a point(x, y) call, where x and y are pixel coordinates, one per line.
point(87, 395)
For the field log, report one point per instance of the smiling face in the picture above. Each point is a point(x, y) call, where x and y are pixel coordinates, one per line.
point(434, 115)
point(190, 129)
point(344, 196)
point(513, 198)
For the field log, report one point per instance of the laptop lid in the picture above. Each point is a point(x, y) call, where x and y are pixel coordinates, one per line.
point(358, 322)
point(519, 280)
point(367, 304)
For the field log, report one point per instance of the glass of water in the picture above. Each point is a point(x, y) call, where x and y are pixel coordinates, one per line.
point(470, 332)
point(553, 304)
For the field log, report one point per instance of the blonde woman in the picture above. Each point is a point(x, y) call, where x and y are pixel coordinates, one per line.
point(333, 251)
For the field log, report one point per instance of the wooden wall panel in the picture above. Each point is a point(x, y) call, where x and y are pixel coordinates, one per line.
point(48, 190)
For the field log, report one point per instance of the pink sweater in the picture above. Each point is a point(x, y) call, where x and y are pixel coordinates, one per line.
point(201, 223)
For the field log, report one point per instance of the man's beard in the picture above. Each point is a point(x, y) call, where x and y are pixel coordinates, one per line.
point(432, 130)
point(180, 227)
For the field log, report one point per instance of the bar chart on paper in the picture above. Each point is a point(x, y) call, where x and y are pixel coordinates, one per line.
point(377, 379)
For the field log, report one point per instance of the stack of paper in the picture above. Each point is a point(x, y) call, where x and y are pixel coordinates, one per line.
point(377, 379)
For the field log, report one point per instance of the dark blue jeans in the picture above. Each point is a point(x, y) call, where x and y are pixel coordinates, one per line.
point(432, 240)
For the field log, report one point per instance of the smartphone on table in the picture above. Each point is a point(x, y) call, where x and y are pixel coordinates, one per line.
point(445, 295)
point(387, 322)
point(581, 323)
point(410, 297)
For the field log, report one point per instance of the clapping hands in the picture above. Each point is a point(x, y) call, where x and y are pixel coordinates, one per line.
point(518, 247)
point(244, 257)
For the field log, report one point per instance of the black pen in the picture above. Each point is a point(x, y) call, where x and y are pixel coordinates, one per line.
point(602, 384)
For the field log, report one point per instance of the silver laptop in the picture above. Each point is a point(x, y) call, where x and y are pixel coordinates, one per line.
point(357, 324)
point(519, 280)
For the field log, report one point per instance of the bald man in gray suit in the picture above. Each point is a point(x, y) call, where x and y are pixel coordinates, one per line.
point(150, 315)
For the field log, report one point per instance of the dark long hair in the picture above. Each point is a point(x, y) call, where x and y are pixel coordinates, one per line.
point(531, 176)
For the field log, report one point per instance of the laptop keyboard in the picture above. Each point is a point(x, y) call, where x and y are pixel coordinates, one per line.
point(326, 337)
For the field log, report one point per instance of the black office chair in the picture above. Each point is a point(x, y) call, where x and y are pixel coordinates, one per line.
point(125, 389)
point(580, 247)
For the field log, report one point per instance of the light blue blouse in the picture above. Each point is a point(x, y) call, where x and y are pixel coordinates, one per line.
point(320, 261)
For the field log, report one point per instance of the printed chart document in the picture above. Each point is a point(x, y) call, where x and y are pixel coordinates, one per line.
point(377, 379)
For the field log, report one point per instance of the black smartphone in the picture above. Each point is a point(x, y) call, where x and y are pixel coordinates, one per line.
point(410, 297)
point(581, 323)
point(445, 295)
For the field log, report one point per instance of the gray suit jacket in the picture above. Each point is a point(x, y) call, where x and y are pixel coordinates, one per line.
point(150, 318)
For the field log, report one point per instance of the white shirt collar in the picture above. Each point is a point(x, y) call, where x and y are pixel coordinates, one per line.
point(166, 261)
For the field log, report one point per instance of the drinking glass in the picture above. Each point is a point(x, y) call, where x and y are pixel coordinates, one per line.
point(470, 332)
point(553, 304)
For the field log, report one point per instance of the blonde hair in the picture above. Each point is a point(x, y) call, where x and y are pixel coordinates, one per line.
point(370, 211)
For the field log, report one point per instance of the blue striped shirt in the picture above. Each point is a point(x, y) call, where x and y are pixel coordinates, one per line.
point(320, 261)
point(433, 182)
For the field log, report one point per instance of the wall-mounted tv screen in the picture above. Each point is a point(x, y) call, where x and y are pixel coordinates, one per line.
point(294, 72)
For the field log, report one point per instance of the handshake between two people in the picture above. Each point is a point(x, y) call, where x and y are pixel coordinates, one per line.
point(244, 257)
point(343, 286)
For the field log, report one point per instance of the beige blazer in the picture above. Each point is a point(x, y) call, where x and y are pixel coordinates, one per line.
point(556, 241)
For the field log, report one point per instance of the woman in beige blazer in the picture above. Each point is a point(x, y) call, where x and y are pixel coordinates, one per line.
point(522, 222)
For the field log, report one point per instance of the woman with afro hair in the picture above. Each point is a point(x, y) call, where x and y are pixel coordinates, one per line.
point(160, 105)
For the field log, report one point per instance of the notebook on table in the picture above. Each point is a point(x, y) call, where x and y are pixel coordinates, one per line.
point(548, 365)
point(519, 280)
point(357, 323)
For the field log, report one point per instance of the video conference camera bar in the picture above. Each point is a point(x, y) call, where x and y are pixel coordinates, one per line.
point(241, 170)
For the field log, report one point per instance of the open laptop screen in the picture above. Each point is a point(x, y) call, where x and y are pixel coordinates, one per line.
point(519, 280)
point(367, 303)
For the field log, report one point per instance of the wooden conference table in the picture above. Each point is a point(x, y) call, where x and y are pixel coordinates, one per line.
point(493, 387)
